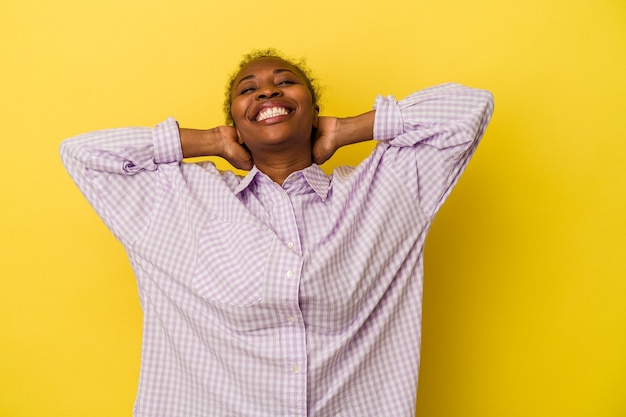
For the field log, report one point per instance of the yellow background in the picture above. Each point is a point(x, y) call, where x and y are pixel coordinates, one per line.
point(525, 291)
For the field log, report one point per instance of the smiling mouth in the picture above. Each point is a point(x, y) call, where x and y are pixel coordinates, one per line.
point(271, 112)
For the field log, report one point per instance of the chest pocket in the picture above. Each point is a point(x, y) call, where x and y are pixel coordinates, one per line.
point(231, 263)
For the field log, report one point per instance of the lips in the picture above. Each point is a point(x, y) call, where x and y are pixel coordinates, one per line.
point(269, 110)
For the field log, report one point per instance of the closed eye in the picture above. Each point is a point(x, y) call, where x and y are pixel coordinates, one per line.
point(288, 80)
point(246, 90)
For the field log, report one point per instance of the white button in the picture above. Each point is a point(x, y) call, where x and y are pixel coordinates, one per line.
point(290, 245)
point(295, 369)
point(293, 319)
point(289, 273)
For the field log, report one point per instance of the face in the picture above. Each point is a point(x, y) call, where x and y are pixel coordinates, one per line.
point(272, 105)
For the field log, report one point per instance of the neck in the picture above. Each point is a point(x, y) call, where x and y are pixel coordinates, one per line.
point(279, 165)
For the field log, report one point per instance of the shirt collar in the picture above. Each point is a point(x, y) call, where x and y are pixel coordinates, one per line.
point(317, 179)
point(313, 174)
point(247, 180)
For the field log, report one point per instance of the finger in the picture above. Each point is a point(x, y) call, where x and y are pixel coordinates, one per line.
point(241, 159)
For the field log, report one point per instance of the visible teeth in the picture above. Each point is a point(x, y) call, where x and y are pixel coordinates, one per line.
point(271, 112)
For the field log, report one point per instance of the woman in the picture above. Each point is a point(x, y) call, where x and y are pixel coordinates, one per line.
point(287, 291)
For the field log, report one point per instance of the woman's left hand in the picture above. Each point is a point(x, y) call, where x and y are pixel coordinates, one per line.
point(333, 133)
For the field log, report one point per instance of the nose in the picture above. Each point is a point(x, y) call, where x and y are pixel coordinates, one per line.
point(268, 90)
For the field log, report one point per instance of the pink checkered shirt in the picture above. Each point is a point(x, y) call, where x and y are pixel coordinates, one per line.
point(295, 300)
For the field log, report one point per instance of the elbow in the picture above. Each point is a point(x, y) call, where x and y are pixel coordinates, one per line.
point(487, 102)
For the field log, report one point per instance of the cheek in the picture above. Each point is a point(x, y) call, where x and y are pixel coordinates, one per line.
point(236, 112)
point(233, 105)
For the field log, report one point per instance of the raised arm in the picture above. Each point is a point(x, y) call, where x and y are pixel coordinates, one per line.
point(428, 137)
point(117, 171)
point(120, 171)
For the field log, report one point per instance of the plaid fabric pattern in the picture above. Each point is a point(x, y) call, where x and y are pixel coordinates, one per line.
point(295, 300)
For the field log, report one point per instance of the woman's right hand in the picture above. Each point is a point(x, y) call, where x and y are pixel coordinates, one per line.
point(221, 141)
point(232, 151)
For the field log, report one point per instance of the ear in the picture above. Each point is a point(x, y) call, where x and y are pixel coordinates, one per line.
point(239, 139)
point(316, 116)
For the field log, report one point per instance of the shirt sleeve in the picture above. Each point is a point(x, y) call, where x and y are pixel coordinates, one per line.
point(119, 172)
point(430, 137)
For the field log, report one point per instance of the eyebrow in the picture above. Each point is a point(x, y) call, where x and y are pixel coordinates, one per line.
point(276, 71)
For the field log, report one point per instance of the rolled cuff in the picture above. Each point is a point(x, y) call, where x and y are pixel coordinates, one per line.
point(167, 147)
point(388, 123)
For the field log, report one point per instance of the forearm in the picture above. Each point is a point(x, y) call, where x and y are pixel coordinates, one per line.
point(355, 129)
point(117, 151)
point(117, 171)
point(442, 116)
point(196, 142)
point(220, 141)
point(125, 151)
point(438, 128)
